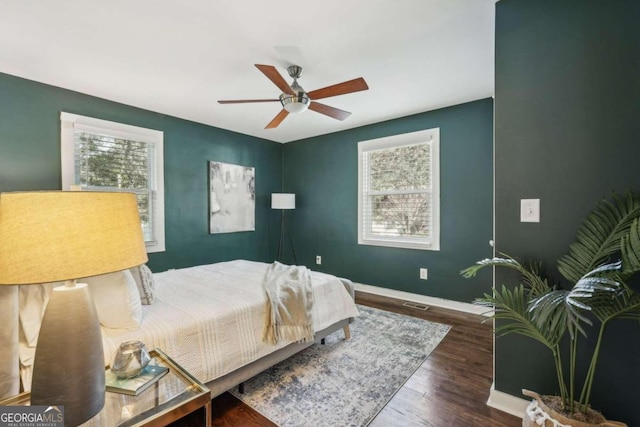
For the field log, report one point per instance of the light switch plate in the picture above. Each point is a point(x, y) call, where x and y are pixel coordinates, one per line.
point(530, 210)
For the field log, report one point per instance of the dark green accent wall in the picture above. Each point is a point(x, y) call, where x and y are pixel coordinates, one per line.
point(323, 172)
point(30, 160)
point(567, 131)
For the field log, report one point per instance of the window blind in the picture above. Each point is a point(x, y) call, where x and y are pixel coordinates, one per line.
point(124, 162)
point(397, 192)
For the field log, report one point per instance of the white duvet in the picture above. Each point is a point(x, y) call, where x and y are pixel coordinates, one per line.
point(210, 318)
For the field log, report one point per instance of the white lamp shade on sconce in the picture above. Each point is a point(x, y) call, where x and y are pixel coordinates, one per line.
point(283, 201)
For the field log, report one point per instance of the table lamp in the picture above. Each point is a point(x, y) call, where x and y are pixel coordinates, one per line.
point(51, 236)
point(284, 201)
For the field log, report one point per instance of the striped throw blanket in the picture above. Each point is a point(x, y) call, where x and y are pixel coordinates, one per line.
point(289, 304)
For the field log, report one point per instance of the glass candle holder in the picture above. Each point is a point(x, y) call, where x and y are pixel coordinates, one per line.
point(130, 359)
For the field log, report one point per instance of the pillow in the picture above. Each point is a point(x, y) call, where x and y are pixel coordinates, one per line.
point(9, 371)
point(33, 300)
point(117, 299)
point(144, 280)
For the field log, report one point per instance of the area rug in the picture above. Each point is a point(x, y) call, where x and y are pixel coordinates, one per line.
point(345, 383)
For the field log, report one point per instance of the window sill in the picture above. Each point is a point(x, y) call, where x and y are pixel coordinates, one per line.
point(155, 248)
point(400, 244)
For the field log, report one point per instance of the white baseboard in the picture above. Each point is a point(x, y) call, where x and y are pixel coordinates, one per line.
point(423, 299)
point(507, 403)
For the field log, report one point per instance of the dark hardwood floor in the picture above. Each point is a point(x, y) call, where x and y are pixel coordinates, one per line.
point(450, 389)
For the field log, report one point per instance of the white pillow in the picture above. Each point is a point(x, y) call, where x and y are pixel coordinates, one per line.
point(144, 280)
point(9, 371)
point(117, 299)
point(33, 300)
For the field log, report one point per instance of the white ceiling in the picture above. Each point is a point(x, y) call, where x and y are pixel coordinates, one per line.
point(180, 57)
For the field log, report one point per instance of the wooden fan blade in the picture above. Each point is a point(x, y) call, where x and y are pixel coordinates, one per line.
point(245, 101)
point(277, 119)
point(329, 111)
point(355, 85)
point(273, 75)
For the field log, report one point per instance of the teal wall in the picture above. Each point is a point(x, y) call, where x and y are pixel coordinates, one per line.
point(30, 160)
point(567, 128)
point(323, 172)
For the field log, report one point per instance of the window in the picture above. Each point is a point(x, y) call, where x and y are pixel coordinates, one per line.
point(98, 155)
point(399, 191)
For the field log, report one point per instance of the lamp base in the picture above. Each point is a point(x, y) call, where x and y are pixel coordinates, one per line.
point(69, 367)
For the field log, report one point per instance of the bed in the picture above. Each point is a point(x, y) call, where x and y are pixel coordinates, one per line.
point(210, 320)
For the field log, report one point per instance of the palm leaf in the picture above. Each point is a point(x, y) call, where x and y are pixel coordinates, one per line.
point(536, 283)
point(548, 311)
point(600, 235)
point(488, 262)
point(581, 297)
point(602, 279)
point(561, 307)
point(631, 249)
point(622, 304)
point(513, 306)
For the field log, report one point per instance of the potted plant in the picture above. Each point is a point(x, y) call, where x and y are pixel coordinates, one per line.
point(597, 269)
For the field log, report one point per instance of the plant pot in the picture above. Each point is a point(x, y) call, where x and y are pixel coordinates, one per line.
point(539, 414)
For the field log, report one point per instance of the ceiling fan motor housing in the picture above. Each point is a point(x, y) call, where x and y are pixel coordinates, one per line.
point(300, 101)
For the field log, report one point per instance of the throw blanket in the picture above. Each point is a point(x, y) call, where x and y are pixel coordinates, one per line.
point(289, 304)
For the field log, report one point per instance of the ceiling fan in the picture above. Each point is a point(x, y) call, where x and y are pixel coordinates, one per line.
point(294, 99)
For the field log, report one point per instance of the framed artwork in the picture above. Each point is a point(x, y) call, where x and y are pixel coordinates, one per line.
point(232, 198)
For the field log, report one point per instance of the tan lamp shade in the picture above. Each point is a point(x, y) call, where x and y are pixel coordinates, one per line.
point(50, 236)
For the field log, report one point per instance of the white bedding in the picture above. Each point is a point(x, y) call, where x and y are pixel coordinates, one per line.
point(210, 318)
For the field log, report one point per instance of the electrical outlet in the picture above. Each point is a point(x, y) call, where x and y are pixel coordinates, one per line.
point(423, 273)
point(318, 259)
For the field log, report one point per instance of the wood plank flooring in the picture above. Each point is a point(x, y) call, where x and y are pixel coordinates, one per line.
point(450, 389)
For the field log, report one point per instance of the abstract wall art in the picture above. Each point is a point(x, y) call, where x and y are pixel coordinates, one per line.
point(232, 198)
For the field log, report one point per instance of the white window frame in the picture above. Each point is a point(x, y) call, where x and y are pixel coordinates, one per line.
point(69, 122)
point(429, 136)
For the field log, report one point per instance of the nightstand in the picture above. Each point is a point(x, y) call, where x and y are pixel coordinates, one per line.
point(172, 397)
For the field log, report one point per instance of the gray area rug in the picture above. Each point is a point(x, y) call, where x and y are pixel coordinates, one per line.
point(345, 383)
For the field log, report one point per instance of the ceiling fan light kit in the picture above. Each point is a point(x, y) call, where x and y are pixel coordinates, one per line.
point(294, 99)
point(295, 103)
